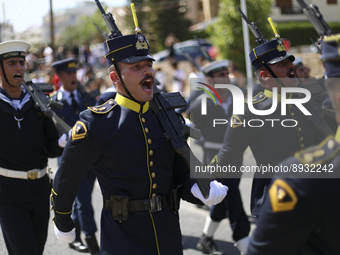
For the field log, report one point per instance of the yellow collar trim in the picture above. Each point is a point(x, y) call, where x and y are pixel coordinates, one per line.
point(337, 135)
point(132, 105)
point(269, 93)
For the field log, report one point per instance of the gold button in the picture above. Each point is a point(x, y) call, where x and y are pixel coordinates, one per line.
point(153, 175)
point(149, 141)
point(154, 185)
point(146, 130)
point(143, 120)
point(151, 152)
point(111, 102)
point(293, 114)
point(154, 194)
point(151, 163)
point(301, 138)
point(300, 129)
point(302, 145)
point(290, 106)
point(331, 144)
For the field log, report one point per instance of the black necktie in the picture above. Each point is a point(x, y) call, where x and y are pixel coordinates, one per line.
point(74, 103)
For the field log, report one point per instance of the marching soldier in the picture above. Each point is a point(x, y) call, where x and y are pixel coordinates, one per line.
point(75, 101)
point(301, 215)
point(216, 72)
point(140, 175)
point(272, 142)
point(27, 138)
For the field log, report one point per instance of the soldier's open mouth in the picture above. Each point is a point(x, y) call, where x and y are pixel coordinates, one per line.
point(291, 73)
point(147, 85)
point(18, 76)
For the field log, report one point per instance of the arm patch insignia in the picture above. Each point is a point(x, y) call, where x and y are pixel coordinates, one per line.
point(79, 131)
point(282, 196)
point(236, 121)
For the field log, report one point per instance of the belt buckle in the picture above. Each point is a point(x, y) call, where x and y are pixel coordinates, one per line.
point(156, 204)
point(33, 174)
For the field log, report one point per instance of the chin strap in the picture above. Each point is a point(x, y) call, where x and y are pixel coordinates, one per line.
point(274, 75)
point(124, 86)
point(4, 73)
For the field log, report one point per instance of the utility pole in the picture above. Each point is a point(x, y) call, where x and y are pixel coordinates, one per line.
point(246, 45)
point(52, 28)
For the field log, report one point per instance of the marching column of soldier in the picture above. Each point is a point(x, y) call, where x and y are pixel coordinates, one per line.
point(142, 177)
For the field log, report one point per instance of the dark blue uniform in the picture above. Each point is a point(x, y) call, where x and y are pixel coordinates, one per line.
point(301, 215)
point(83, 212)
point(27, 139)
point(67, 113)
point(105, 97)
point(232, 205)
point(270, 143)
point(124, 142)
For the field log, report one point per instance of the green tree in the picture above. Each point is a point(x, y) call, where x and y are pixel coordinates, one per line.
point(227, 33)
point(158, 18)
point(85, 30)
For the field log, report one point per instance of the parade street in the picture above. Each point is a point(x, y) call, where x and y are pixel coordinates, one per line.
point(192, 220)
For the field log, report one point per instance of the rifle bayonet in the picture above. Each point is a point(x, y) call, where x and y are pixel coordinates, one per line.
point(106, 37)
point(260, 39)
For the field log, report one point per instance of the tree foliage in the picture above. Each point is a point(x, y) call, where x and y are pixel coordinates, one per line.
point(85, 30)
point(227, 33)
point(158, 18)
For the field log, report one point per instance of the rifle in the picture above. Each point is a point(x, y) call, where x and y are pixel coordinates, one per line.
point(315, 17)
point(203, 49)
point(172, 124)
point(110, 22)
point(260, 39)
point(106, 37)
point(317, 115)
point(191, 60)
point(89, 97)
point(45, 104)
point(316, 46)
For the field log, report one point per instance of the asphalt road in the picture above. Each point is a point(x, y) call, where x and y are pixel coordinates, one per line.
point(192, 220)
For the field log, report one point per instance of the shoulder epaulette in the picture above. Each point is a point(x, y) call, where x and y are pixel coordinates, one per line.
point(321, 76)
point(53, 93)
point(104, 108)
point(320, 153)
point(258, 98)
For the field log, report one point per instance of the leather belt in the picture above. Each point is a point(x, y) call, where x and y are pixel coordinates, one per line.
point(154, 204)
point(27, 175)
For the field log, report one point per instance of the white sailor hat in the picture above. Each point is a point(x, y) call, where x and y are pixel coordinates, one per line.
point(215, 66)
point(298, 62)
point(11, 49)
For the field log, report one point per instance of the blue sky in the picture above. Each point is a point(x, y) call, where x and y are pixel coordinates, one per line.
point(25, 13)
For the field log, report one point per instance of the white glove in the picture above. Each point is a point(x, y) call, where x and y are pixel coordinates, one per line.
point(217, 193)
point(68, 237)
point(62, 141)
